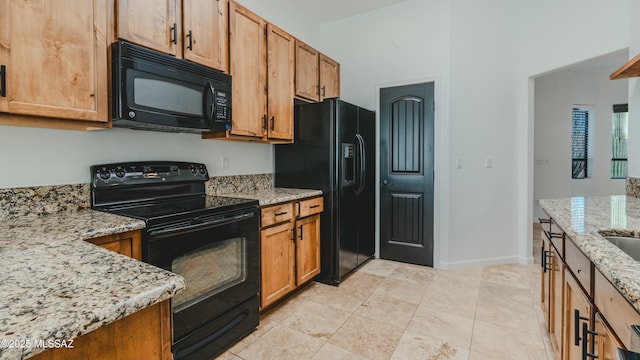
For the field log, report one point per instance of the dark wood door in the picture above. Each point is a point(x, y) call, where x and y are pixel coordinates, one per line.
point(406, 173)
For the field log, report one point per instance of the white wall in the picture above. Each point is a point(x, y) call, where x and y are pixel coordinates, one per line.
point(286, 14)
point(399, 44)
point(634, 95)
point(485, 97)
point(555, 95)
point(553, 35)
point(33, 157)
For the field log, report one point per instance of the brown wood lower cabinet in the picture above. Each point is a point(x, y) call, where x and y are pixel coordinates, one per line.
point(607, 342)
point(144, 335)
point(127, 243)
point(307, 248)
point(587, 317)
point(277, 255)
point(290, 247)
point(578, 311)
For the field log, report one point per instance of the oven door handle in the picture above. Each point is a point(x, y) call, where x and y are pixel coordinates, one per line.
point(200, 226)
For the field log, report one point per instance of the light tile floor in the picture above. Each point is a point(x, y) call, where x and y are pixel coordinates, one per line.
point(391, 310)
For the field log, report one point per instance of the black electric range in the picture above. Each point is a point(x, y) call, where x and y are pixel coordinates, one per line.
point(211, 241)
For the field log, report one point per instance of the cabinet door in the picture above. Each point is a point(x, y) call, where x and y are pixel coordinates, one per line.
point(54, 55)
point(607, 343)
point(556, 300)
point(544, 281)
point(577, 311)
point(205, 32)
point(307, 73)
point(151, 23)
point(329, 78)
point(248, 66)
point(128, 243)
point(277, 258)
point(307, 248)
point(280, 74)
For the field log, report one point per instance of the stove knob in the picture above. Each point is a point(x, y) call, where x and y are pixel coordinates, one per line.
point(120, 172)
point(104, 175)
point(203, 170)
point(193, 170)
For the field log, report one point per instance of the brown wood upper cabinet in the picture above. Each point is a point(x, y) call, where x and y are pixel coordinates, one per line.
point(53, 58)
point(261, 62)
point(195, 30)
point(317, 76)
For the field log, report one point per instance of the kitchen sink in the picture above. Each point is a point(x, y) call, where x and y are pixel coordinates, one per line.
point(627, 244)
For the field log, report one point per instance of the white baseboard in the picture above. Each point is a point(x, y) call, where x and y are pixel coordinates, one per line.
point(465, 264)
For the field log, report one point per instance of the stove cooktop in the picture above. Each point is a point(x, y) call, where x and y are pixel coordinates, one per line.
point(169, 210)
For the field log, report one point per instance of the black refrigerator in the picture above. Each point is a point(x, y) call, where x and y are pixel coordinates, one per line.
point(334, 150)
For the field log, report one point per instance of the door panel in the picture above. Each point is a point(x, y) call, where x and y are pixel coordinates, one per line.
point(207, 21)
point(280, 56)
point(406, 173)
point(248, 59)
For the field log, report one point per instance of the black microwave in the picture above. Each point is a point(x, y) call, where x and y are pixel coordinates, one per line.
point(156, 91)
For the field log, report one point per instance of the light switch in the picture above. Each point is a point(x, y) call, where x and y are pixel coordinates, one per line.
point(225, 162)
point(458, 163)
point(489, 163)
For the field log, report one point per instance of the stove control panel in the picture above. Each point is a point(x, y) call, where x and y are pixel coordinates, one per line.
point(149, 172)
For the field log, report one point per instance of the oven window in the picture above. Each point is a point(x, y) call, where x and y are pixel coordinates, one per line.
point(176, 97)
point(210, 270)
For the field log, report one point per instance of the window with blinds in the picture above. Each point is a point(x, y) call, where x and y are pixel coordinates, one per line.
point(579, 143)
point(619, 135)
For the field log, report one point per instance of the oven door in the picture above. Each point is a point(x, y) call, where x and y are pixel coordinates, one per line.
point(220, 261)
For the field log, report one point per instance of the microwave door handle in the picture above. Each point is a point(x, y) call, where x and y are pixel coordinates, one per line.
point(208, 101)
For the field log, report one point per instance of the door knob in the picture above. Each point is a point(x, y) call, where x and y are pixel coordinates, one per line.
point(385, 182)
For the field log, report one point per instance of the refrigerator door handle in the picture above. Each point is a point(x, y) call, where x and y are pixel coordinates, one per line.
point(362, 159)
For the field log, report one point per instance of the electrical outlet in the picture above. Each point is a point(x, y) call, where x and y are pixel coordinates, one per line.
point(226, 162)
point(489, 163)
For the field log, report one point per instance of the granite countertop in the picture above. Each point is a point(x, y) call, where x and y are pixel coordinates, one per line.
point(54, 285)
point(584, 219)
point(276, 195)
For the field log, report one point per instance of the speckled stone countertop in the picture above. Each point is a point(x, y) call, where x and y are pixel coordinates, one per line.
point(584, 219)
point(276, 195)
point(54, 285)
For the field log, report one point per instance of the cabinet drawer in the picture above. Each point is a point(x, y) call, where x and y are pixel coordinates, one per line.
point(579, 265)
point(276, 214)
point(614, 307)
point(310, 206)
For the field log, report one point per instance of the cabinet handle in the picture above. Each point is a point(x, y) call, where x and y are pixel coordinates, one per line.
point(300, 227)
point(544, 221)
point(174, 31)
point(314, 206)
point(323, 91)
point(547, 255)
point(585, 333)
point(264, 121)
point(3, 81)
point(576, 326)
point(272, 123)
point(551, 235)
point(299, 208)
point(292, 237)
point(280, 213)
point(190, 36)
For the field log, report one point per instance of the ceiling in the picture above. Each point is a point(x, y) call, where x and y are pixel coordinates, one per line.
point(329, 10)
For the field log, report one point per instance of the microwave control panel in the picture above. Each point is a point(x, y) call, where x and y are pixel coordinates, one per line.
point(222, 105)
